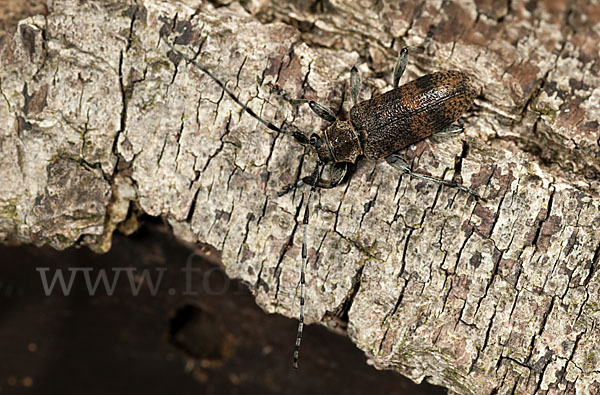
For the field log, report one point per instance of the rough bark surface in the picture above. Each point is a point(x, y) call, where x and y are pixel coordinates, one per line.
point(100, 121)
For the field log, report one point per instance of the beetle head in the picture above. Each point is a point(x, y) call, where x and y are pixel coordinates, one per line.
point(322, 148)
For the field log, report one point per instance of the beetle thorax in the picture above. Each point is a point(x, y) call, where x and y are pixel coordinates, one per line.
point(343, 141)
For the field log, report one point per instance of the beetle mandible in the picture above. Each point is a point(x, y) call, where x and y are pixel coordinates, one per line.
point(378, 128)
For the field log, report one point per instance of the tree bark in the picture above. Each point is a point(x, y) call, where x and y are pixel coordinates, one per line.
point(102, 121)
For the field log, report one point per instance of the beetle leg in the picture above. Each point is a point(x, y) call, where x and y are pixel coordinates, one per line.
point(402, 61)
point(355, 84)
point(292, 186)
point(322, 111)
point(400, 66)
point(340, 172)
point(399, 163)
point(451, 130)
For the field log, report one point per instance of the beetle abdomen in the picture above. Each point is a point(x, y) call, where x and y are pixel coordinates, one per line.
point(411, 112)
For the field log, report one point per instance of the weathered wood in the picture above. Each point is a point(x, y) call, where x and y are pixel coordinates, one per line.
point(476, 296)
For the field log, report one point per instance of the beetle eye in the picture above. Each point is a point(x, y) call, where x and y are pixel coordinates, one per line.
point(313, 139)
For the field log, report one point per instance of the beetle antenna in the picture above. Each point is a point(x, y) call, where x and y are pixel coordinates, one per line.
point(316, 176)
point(301, 138)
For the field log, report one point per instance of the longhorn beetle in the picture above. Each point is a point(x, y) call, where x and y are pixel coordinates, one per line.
point(377, 129)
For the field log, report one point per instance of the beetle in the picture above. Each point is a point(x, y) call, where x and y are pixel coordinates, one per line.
point(377, 129)
point(381, 127)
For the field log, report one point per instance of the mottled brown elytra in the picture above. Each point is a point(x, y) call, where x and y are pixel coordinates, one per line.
point(376, 129)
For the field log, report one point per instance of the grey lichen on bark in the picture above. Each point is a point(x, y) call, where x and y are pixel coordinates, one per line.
point(99, 115)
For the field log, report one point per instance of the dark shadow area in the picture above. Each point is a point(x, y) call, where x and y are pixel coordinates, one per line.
point(153, 317)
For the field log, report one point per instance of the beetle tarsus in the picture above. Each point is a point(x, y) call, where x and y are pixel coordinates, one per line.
point(290, 187)
point(399, 163)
